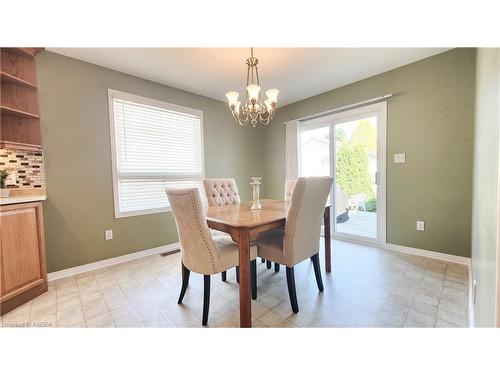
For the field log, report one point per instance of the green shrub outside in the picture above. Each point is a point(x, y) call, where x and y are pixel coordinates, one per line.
point(353, 174)
point(371, 205)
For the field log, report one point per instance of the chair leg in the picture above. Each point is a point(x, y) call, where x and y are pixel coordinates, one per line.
point(268, 264)
point(317, 271)
point(262, 260)
point(185, 282)
point(276, 267)
point(223, 276)
point(290, 280)
point(206, 298)
point(253, 275)
point(238, 274)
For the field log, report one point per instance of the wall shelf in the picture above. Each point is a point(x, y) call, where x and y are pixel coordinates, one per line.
point(17, 112)
point(13, 80)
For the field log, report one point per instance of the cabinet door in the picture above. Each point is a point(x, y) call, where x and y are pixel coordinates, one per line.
point(22, 256)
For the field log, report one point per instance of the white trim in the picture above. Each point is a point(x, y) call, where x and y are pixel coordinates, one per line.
point(429, 254)
point(472, 314)
point(292, 150)
point(153, 102)
point(344, 108)
point(361, 240)
point(410, 250)
point(382, 174)
point(112, 94)
point(111, 261)
point(378, 109)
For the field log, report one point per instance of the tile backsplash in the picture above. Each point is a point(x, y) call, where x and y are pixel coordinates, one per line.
point(26, 165)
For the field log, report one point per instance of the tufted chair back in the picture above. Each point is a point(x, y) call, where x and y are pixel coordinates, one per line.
point(197, 247)
point(304, 218)
point(289, 184)
point(221, 191)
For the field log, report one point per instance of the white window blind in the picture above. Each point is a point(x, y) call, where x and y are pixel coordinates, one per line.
point(156, 145)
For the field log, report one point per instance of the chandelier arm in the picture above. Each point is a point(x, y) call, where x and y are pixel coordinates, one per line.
point(265, 119)
point(239, 120)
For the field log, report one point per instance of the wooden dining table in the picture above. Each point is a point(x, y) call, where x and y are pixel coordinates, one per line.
point(244, 225)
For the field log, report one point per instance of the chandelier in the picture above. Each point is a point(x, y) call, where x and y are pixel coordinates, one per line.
point(253, 109)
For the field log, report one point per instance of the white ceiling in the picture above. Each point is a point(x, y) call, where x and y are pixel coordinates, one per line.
point(298, 73)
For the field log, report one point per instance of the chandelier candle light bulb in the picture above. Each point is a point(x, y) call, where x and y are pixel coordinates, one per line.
point(232, 97)
point(272, 95)
point(253, 93)
point(253, 109)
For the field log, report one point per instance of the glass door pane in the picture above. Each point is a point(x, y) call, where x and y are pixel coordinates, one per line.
point(355, 150)
point(315, 151)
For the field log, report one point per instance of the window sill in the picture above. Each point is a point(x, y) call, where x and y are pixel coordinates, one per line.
point(120, 215)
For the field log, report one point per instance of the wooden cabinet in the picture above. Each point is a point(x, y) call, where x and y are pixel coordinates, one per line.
point(23, 273)
point(20, 124)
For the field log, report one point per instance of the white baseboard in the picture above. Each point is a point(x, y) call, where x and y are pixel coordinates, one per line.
point(429, 254)
point(111, 261)
point(447, 258)
point(472, 315)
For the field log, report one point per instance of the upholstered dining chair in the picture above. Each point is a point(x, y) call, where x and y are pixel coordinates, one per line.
point(289, 184)
point(299, 239)
point(222, 192)
point(201, 253)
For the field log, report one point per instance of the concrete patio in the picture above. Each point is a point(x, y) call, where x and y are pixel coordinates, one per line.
point(360, 223)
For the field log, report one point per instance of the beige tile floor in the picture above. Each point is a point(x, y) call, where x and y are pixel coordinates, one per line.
point(368, 287)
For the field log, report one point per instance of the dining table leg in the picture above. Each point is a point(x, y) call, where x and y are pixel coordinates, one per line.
point(245, 290)
point(328, 240)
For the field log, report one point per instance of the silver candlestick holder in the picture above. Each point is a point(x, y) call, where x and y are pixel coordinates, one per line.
point(256, 191)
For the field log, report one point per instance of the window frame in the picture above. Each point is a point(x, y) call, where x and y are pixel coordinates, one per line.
point(116, 94)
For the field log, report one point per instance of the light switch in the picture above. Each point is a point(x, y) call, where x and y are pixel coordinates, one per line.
point(420, 225)
point(400, 158)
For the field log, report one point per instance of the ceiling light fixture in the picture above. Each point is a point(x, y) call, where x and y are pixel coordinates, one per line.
point(253, 109)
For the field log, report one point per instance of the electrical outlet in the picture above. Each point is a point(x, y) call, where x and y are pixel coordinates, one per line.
point(108, 234)
point(400, 158)
point(420, 225)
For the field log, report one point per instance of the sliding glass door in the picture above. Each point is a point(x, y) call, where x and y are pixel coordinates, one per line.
point(350, 147)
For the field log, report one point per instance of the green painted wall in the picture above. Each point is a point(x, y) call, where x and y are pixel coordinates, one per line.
point(485, 218)
point(75, 126)
point(431, 119)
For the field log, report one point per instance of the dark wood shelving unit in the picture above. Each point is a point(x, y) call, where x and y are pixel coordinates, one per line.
point(13, 80)
point(17, 112)
point(20, 121)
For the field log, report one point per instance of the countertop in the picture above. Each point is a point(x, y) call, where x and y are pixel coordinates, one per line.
point(22, 199)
